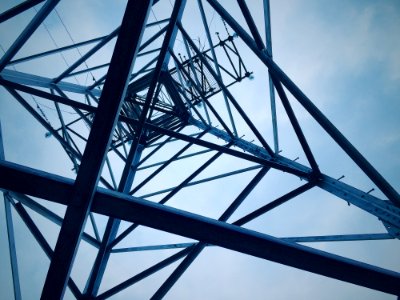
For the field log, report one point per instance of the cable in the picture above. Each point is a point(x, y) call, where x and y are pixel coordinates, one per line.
point(53, 109)
point(73, 42)
point(55, 44)
point(154, 15)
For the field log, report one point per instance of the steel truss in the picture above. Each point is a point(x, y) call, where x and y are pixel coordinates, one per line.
point(132, 115)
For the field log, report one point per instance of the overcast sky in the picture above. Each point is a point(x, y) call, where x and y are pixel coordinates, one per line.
point(345, 57)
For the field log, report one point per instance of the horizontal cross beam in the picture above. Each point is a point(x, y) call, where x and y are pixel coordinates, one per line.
point(56, 188)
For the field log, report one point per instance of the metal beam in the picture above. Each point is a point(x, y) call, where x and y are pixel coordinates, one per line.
point(384, 210)
point(178, 158)
point(163, 166)
point(191, 176)
point(40, 81)
point(227, 92)
point(40, 239)
point(143, 46)
point(161, 65)
point(2, 156)
point(11, 247)
point(337, 136)
point(187, 261)
point(259, 156)
point(346, 192)
point(273, 204)
point(152, 247)
point(296, 126)
point(42, 121)
point(144, 274)
point(189, 103)
point(216, 64)
point(16, 10)
point(339, 238)
point(297, 239)
point(203, 180)
point(27, 32)
point(54, 51)
point(197, 86)
point(88, 54)
point(157, 148)
point(110, 103)
point(47, 96)
point(268, 43)
point(390, 213)
point(48, 214)
point(103, 255)
point(251, 24)
point(132, 209)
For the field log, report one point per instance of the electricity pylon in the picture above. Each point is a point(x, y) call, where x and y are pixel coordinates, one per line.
point(159, 114)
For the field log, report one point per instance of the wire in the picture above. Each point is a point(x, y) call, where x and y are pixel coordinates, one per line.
point(53, 109)
point(73, 42)
point(212, 19)
point(154, 15)
point(55, 43)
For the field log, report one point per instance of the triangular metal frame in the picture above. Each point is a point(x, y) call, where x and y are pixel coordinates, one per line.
point(135, 116)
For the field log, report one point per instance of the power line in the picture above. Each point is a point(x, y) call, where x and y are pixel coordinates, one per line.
point(73, 42)
point(55, 43)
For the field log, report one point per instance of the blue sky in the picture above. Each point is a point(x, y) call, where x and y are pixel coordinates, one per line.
point(343, 54)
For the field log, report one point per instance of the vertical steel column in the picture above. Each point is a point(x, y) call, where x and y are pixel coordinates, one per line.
point(11, 247)
point(125, 52)
point(27, 32)
point(10, 233)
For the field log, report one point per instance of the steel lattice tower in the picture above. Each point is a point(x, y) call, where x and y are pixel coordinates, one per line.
point(165, 159)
